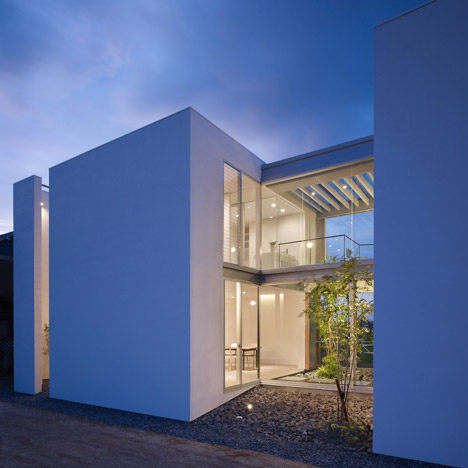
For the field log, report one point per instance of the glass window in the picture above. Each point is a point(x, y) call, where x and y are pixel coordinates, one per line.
point(241, 357)
point(232, 333)
point(232, 222)
point(312, 218)
point(283, 225)
point(250, 197)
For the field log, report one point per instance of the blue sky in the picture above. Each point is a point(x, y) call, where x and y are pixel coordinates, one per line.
point(282, 77)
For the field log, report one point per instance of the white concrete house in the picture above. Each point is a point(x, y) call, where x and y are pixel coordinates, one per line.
point(170, 264)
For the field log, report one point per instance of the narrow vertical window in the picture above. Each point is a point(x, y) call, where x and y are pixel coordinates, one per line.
point(250, 202)
point(232, 215)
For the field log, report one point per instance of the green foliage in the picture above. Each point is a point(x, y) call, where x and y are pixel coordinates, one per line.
point(342, 316)
point(329, 369)
point(352, 433)
point(335, 306)
point(45, 343)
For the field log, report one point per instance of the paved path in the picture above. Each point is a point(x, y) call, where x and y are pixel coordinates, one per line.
point(40, 438)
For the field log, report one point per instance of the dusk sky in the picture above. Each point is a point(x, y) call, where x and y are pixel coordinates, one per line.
point(281, 77)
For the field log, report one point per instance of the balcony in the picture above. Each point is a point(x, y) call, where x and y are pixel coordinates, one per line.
point(316, 250)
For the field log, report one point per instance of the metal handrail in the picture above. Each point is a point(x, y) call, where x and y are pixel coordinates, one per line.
point(343, 236)
point(323, 237)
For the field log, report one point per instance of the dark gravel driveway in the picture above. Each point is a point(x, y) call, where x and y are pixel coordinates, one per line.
point(281, 423)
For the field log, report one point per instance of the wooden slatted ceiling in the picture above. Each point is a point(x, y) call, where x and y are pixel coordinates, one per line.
point(339, 193)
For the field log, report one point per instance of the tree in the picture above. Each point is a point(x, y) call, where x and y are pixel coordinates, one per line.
point(341, 315)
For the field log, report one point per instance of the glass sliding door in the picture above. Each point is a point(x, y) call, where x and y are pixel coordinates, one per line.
point(249, 333)
point(232, 333)
point(240, 333)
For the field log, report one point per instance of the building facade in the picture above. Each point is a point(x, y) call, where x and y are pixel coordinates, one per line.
point(179, 262)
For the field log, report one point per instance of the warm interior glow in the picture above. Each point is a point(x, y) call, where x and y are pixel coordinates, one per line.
point(267, 296)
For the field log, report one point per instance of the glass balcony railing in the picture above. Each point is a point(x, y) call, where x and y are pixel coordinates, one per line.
point(319, 250)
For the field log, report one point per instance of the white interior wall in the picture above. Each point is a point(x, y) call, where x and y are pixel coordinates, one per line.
point(282, 327)
point(286, 228)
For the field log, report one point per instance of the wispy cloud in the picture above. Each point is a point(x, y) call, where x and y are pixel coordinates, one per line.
point(281, 77)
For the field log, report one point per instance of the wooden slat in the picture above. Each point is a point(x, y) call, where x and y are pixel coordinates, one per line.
point(317, 199)
point(324, 194)
point(363, 181)
point(312, 202)
point(357, 189)
point(346, 191)
point(336, 194)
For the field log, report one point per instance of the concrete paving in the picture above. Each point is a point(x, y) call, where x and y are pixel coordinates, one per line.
point(42, 438)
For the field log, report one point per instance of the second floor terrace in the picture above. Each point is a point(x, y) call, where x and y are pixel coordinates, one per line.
point(303, 218)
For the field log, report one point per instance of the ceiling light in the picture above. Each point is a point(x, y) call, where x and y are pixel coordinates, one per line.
point(282, 210)
point(252, 303)
point(243, 292)
point(250, 406)
point(309, 245)
point(345, 186)
point(233, 249)
point(313, 193)
point(42, 203)
point(271, 217)
point(273, 205)
point(237, 215)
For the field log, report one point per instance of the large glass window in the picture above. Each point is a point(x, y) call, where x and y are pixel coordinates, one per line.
point(251, 229)
point(265, 332)
point(320, 216)
point(241, 238)
point(283, 222)
point(241, 351)
point(359, 231)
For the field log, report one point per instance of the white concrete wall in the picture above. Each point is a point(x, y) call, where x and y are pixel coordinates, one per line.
point(210, 147)
point(120, 272)
point(421, 162)
point(30, 283)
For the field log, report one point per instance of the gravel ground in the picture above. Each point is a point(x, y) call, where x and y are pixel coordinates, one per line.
point(282, 423)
